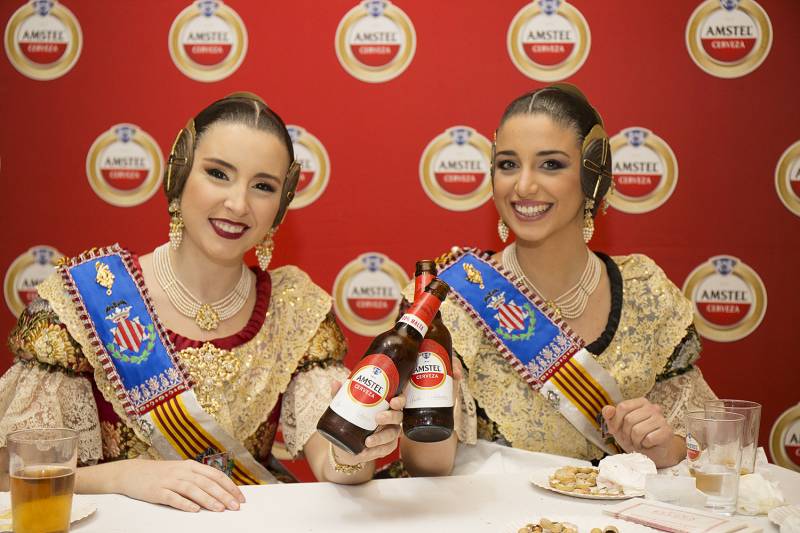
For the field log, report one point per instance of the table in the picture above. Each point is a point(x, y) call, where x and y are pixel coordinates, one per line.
point(491, 494)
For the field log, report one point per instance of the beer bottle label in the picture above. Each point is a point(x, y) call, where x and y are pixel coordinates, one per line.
point(367, 392)
point(431, 382)
point(421, 313)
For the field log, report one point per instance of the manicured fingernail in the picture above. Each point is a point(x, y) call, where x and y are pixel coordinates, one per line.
point(218, 507)
point(233, 505)
point(241, 498)
point(369, 441)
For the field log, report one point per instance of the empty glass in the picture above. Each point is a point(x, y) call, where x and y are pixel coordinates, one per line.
point(751, 411)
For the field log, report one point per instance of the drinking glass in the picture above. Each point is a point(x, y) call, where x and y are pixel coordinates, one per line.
point(714, 454)
point(751, 411)
point(42, 470)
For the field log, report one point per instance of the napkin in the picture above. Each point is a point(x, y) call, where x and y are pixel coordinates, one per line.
point(757, 495)
point(626, 470)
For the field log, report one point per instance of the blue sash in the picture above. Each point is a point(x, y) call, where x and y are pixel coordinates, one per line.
point(130, 342)
point(532, 341)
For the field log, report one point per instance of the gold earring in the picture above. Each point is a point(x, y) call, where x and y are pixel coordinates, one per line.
point(502, 230)
point(264, 250)
point(588, 220)
point(175, 224)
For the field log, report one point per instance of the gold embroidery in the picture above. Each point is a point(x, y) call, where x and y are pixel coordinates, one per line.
point(473, 275)
point(212, 370)
point(51, 344)
point(104, 277)
point(655, 316)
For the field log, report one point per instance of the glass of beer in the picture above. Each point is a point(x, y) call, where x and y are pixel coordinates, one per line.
point(714, 454)
point(751, 411)
point(41, 465)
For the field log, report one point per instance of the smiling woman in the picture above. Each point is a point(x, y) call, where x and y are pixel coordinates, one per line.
point(177, 366)
point(565, 350)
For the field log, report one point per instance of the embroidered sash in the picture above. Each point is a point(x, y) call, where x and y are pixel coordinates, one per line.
point(151, 384)
point(545, 352)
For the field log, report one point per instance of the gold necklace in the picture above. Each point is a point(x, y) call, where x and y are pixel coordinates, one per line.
point(206, 315)
point(573, 302)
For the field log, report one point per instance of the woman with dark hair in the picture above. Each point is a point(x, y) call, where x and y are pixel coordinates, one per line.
point(176, 367)
point(565, 350)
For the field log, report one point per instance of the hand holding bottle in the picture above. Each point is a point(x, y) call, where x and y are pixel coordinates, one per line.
point(381, 443)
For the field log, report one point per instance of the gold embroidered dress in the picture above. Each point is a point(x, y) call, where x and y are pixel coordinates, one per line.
point(649, 346)
point(276, 370)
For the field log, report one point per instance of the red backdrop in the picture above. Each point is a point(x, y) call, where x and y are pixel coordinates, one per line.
point(727, 136)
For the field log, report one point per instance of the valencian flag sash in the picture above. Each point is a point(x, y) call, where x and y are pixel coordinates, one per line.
point(150, 383)
point(545, 352)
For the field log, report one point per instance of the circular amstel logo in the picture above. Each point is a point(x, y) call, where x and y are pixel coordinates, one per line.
point(43, 39)
point(787, 178)
point(207, 40)
point(645, 170)
point(549, 40)
point(430, 372)
point(784, 439)
point(315, 167)
point(729, 298)
point(454, 169)
point(124, 165)
point(366, 293)
point(375, 41)
point(369, 386)
point(25, 273)
point(728, 38)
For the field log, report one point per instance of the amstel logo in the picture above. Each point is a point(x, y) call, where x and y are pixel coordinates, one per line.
point(454, 169)
point(366, 293)
point(375, 41)
point(729, 297)
point(43, 39)
point(25, 273)
point(207, 40)
point(645, 170)
point(787, 178)
point(315, 167)
point(729, 38)
point(549, 40)
point(784, 439)
point(124, 165)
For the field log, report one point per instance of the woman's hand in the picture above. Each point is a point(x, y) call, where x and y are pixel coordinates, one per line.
point(381, 443)
point(185, 485)
point(639, 426)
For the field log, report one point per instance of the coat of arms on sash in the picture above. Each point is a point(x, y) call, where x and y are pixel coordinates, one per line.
point(133, 342)
point(511, 316)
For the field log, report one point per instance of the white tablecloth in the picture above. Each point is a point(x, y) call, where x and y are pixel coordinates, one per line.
point(492, 494)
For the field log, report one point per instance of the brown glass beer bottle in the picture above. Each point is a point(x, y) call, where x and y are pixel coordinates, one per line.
point(380, 375)
point(428, 414)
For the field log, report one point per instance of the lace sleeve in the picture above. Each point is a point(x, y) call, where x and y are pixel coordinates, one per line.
point(33, 396)
point(46, 387)
point(465, 418)
point(308, 394)
point(679, 394)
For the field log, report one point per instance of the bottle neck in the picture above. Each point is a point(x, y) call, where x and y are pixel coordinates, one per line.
point(421, 313)
point(421, 281)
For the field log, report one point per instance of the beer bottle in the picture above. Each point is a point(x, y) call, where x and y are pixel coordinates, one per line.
point(380, 375)
point(428, 414)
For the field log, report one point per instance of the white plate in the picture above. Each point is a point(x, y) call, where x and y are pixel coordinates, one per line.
point(82, 506)
point(541, 478)
point(779, 514)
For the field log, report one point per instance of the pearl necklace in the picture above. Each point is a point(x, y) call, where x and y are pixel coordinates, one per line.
point(206, 315)
point(573, 302)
